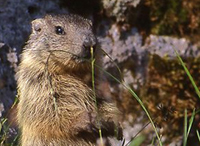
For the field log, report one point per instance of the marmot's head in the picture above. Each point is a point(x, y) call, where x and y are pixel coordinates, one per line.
point(68, 39)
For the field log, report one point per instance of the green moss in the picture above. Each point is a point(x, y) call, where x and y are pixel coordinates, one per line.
point(173, 17)
point(168, 91)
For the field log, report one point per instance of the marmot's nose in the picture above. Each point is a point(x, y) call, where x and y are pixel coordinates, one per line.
point(89, 43)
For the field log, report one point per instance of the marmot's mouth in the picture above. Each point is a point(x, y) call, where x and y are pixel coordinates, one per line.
point(85, 54)
point(88, 47)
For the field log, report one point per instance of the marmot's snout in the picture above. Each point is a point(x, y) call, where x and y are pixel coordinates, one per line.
point(89, 43)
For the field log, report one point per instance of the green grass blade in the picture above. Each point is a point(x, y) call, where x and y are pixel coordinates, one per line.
point(15, 140)
point(2, 122)
point(185, 128)
point(94, 92)
point(187, 72)
point(191, 122)
point(137, 141)
point(198, 135)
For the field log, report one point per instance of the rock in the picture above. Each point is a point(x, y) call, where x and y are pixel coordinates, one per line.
point(7, 79)
point(119, 8)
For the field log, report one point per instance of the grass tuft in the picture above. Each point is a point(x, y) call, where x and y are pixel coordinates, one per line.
point(187, 130)
point(187, 72)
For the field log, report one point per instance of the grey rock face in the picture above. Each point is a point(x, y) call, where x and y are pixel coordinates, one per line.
point(8, 60)
point(118, 8)
point(164, 45)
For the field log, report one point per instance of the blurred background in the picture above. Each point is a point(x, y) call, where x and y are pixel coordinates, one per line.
point(140, 36)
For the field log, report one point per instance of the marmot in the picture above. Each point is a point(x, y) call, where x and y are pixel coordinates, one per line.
point(56, 101)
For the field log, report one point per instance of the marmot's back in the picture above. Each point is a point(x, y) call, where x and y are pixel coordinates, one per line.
point(56, 103)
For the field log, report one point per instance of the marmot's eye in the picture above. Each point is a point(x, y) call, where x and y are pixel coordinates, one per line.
point(59, 30)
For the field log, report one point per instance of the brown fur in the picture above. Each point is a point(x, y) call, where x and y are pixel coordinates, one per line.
point(56, 103)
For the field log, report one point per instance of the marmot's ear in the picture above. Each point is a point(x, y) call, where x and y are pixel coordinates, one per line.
point(37, 25)
point(48, 17)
